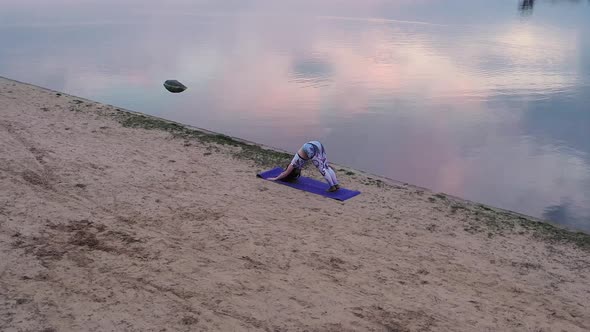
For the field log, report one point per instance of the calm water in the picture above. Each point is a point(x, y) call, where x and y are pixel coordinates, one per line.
point(487, 100)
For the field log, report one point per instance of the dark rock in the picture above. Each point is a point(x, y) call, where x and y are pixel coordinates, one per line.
point(174, 86)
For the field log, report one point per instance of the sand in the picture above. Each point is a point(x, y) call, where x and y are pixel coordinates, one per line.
point(108, 227)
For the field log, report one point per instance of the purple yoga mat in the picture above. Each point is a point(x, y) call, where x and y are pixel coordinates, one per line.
point(311, 185)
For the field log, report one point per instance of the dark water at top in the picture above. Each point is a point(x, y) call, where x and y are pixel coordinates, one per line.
point(487, 100)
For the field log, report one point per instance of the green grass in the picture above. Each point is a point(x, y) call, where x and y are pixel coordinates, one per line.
point(480, 218)
point(259, 155)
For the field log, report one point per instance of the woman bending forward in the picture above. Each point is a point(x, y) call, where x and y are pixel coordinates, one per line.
point(315, 152)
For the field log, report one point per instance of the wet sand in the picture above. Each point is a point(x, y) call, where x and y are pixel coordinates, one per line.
point(115, 221)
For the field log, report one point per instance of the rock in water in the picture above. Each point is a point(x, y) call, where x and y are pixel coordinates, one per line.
point(174, 86)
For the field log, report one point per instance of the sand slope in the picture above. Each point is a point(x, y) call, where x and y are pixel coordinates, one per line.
point(108, 228)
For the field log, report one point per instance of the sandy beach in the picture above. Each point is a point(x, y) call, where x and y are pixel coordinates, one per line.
point(116, 221)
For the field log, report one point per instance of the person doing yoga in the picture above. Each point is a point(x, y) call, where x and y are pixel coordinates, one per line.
point(315, 152)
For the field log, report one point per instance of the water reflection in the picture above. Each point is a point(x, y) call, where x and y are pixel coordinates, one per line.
point(526, 6)
point(311, 71)
point(565, 214)
point(495, 112)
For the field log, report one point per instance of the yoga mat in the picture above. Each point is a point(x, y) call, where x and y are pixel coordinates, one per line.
point(311, 185)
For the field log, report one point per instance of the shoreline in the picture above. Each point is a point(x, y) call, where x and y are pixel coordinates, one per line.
point(159, 123)
point(115, 219)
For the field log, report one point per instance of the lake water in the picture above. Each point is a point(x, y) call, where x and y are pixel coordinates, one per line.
point(486, 100)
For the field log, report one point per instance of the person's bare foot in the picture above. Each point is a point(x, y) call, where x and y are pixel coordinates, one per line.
point(333, 189)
